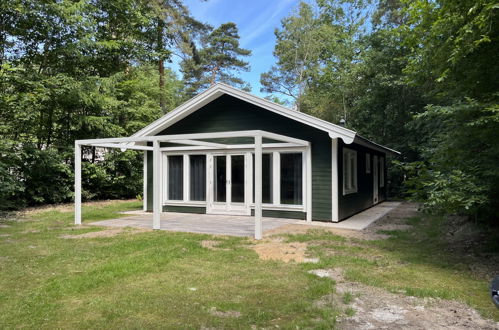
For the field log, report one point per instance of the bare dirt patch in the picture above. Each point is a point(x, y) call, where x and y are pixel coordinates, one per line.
point(375, 308)
point(105, 233)
point(209, 244)
point(215, 312)
point(303, 229)
point(276, 249)
point(212, 245)
point(69, 207)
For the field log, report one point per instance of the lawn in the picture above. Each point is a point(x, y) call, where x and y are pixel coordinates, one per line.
point(161, 279)
point(148, 280)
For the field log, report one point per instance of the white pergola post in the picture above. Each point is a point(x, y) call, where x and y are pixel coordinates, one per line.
point(309, 184)
point(144, 187)
point(258, 187)
point(156, 217)
point(77, 184)
point(334, 180)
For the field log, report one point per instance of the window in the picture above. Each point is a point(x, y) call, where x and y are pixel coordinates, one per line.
point(349, 171)
point(197, 177)
point(368, 163)
point(267, 164)
point(291, 178)
point(381, 172)
point(175, 177)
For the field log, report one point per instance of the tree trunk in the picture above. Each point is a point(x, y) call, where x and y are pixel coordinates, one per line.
point(214, 73)
point(161, 65)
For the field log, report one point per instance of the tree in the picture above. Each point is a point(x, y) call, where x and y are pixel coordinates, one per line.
point(218, 60)
point(454, 59)
point(298, 49)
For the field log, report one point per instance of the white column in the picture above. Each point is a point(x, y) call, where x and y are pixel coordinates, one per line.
point(144, 193)
point(258, 187)
point(308, 181)
point(156, 217)
point(334, 180)
point(77, 184)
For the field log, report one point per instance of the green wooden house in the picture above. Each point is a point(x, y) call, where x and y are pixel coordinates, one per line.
point(226, 151)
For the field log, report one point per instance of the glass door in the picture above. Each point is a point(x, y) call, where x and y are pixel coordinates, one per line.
point(228, 184)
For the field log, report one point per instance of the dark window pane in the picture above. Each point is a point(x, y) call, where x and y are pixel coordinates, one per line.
point(291, 178)
point(175, 177)
point(237, 179)
point(198, 177)
point(220, 178)
point(266, 178)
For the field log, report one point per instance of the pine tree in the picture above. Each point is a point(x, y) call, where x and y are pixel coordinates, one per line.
point(218, 61)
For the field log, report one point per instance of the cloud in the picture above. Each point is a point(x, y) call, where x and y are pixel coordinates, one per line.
point(266, 22)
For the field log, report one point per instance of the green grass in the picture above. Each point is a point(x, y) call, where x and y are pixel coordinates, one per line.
point(167, 280)
point(149, 280)
point(347, 298)
point(417, 262)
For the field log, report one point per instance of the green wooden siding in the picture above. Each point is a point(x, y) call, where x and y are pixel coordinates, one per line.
point(231, 114)
point(283, 214)
point(184, 209)
point(356, 202)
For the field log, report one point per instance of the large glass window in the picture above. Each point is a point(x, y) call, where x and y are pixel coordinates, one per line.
point(267, 161)
point(291, 178)
point(349, 171)
point(175, 177)
point(197, 177)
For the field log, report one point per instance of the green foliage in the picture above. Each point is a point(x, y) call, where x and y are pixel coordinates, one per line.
point(417, 76)
point(218, 60)
point(115, 177)
point(298, 47)
point(11, 188)
point(74, 70)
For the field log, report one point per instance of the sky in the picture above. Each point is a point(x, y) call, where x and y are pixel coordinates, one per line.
point(256, 21)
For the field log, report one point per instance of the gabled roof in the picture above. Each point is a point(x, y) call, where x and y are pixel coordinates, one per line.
point(219, 89)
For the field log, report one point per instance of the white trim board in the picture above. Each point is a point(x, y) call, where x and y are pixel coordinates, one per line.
point(217, 90)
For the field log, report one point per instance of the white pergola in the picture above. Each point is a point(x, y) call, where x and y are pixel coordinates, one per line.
point(193, 142)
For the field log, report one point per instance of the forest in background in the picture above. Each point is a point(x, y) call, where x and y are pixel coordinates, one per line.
point(417, 76)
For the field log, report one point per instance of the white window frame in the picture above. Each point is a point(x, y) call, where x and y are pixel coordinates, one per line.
point(349, 179)
point(368, 163)
point(186, 180)
point(276, 171)
point(381, 172)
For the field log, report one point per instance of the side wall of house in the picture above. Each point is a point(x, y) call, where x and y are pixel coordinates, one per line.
point(353, 203)
point(231, 114)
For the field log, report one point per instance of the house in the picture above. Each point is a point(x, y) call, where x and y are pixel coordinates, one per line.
point(226, 151)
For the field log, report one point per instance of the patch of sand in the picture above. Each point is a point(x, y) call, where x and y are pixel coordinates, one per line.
point(376, 308)
point(105, 233)
point(215, 312)
point(210, 244)
point(276, 249)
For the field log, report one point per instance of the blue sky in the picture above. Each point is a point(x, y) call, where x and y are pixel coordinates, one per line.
point(256, 20)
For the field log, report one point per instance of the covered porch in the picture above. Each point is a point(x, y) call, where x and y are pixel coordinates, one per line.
point(217, 146)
